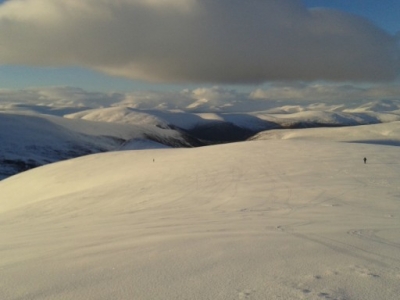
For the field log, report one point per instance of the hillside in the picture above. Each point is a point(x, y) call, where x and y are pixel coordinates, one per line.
point(34, 135)
point(273, 219)
point(31, 140)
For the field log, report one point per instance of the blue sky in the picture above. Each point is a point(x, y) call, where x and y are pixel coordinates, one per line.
point(383, 13)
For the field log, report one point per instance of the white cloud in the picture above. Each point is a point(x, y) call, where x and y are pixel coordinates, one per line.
point(57, 97)
point(323, 92)
point(199, 99)
point(197, 40)
point(214, 99)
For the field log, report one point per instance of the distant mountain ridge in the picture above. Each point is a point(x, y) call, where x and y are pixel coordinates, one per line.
point(38, 136)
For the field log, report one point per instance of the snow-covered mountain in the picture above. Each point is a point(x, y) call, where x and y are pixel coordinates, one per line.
point(31, 140)
point(270, 219)
point(32, 135)
point(255, 121)
point(229, 127)
point(289, 214)
point(384, 134)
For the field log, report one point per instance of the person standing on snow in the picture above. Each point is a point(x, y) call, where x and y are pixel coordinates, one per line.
point(365, 160)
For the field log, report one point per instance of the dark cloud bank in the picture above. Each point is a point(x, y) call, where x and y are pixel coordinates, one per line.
point(224, 41)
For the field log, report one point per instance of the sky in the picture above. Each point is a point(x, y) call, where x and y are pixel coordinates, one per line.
point(154, 45)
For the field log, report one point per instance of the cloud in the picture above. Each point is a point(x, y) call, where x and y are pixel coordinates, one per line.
point(60, 100)
point(196, 100)
point(327, 93)
point(224, 41)
point(57, 97)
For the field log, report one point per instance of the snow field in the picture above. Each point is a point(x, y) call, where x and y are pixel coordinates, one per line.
point(271, 219)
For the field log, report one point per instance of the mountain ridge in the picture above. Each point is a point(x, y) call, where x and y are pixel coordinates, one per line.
point(31, 137)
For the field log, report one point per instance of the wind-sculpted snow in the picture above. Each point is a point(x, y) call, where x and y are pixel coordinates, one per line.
point(275, 219)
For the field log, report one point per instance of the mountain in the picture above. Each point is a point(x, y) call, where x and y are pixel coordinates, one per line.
point(221, 127)
point(114, 211)
point(32, 136)
point(31, 140)
point(384, 134)
point(268, 219)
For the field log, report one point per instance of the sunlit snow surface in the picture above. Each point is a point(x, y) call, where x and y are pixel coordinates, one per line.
point(267, 219)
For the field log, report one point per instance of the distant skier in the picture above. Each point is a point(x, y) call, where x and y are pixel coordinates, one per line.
point(365, 160)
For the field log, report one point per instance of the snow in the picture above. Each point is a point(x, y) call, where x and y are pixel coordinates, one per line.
point(292, 214)
point(117, 115)
point(129, 115)
point(28, 140)
point(280, 218)
point(284, 116)
point(386, 134)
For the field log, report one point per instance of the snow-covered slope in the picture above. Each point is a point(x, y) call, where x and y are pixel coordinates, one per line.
point(328, 118)
point(254, 121)
point(230, 127)
point(274, 219)
point(123, 115)
point(30, 140)
point(34, 135)
point(385, 134)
